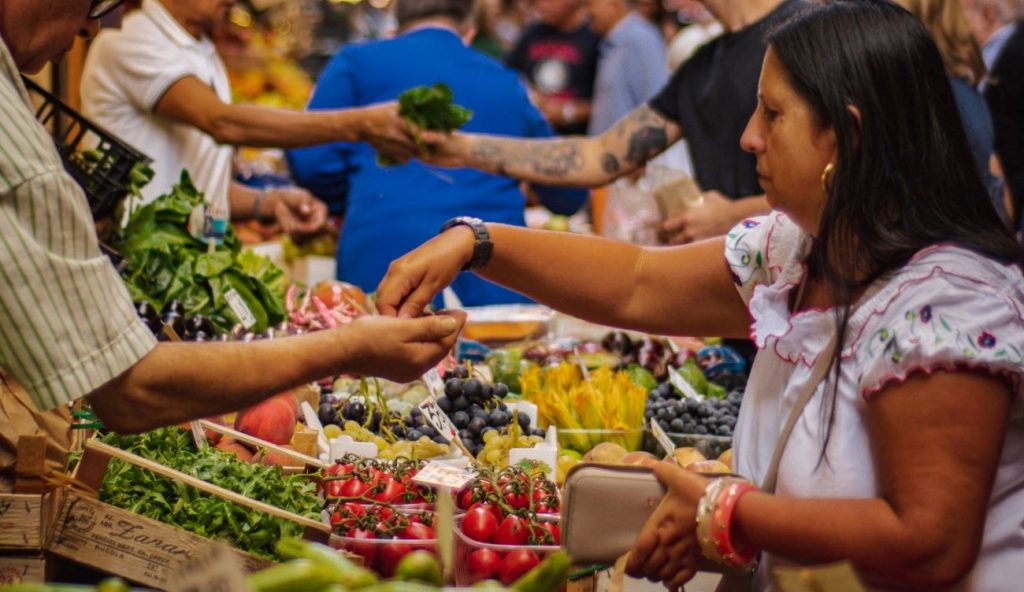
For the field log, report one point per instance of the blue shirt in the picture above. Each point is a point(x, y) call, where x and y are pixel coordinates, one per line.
point(631, 69)
point(391, 211)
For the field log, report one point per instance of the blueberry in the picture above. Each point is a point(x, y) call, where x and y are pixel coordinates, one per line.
point(662, 413)
point(702, 430)
point(677, 425)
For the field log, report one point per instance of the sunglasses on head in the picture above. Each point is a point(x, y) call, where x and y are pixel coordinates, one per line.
point(101, 8)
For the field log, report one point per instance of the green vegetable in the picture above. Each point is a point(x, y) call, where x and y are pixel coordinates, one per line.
point(642, 376)
point(506, 366)
point(551, 574)
point(342, 571)
point(144, 493)
point(167, 263)
point(297, 574)
point(419, 566)
point(430, 108)
point(692, 374)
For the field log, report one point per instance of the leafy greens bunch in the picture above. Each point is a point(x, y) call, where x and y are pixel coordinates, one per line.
point(165, 262)
point(430, 108)
point(150, 495)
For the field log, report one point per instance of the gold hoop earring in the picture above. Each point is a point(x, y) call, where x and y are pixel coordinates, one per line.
point(826, 177)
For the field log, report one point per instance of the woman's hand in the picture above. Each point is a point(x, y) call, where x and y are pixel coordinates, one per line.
point(667, 549)
point(399, 349)
point(414, 279)
point(299, 213)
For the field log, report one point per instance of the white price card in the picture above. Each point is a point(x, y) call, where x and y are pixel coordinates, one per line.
point(662, 437)
point(438, 419)
point(240, 308)
point(198, 435)
point(684, 387)
point(434, 383)
point(215, 569)
point(436, 474)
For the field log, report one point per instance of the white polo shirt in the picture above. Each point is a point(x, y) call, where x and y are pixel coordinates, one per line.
point(128, 71)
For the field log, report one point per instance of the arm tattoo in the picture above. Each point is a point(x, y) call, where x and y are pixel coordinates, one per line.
point(646, 143)
point(609, 163)
point(552, 159)
point(640, 136)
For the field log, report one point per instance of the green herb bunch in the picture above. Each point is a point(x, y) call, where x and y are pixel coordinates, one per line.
point(147, 494)
point(430, 108)
point(167, 263)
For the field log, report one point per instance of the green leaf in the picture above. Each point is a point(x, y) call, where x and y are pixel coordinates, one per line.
point(210, 265)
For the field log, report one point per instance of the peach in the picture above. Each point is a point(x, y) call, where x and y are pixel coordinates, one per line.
point(726, 458)
point(713, 467)
point(272, 420)
point(687, 455)
point(232, 446)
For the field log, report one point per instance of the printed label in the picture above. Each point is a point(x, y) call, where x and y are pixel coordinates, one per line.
point(240, 308)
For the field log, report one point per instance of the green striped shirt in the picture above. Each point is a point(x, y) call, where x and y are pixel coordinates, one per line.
point(67, 323)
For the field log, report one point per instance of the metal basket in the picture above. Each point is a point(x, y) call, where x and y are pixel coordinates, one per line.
point(104, 178)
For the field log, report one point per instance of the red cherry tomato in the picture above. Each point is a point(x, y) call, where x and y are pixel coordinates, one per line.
point(354, 487)
point(515, 564)
point(518, 500)
point(368, 551)
point(392, 493)
point(512, 531)
point(417, 531)
point(389, 556)
point(546, 533)
point(494, 510)
point(479, 524)
point(482, 565)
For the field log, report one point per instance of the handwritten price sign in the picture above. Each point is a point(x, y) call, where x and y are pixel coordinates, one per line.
point(438, 419)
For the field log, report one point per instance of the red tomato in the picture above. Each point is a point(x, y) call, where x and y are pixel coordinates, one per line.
point(368, 551)
point(483, 565)
point(465, 498)
point(515, 499)
point(354, 487)
point(417, 531)
point(389, 556)
point(515, 565)
point(392, 492)
point(545, 533)
point(479, 524)
point(494, 510)
point(512, 531)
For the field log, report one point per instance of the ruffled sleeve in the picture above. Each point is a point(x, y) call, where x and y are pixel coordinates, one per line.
point(945, 313)
point(763, 250)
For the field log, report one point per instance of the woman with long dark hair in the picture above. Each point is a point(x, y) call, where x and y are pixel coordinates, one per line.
point(883, 419)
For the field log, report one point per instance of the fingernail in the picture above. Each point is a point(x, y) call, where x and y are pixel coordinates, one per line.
point(448, 324)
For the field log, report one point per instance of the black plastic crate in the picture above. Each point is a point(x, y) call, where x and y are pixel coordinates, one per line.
point(106, 179)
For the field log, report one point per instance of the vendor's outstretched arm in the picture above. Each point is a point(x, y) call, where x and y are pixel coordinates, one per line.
point(177, 382)
point(670, 291)
point(192, 102)
point(578, 161)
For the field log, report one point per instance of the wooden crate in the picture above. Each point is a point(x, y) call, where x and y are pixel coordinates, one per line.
point(137, 548)
point(22, 569)
point(24, 521)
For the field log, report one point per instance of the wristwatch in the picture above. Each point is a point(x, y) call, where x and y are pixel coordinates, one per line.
point(482, 248)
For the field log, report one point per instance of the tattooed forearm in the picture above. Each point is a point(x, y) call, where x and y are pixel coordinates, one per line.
point(639, 137)
point(646, 143)
point(547, 160)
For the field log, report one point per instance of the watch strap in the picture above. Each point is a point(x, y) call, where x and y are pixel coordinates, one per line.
point(482, 247)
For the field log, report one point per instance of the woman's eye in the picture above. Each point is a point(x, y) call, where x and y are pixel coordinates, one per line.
point(769, 113)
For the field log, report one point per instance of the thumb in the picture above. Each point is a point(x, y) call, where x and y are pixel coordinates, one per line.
point(669, 474)
point(439, 326)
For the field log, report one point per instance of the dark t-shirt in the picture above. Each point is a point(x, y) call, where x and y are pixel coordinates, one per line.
point(559, 65)
point(712, 97)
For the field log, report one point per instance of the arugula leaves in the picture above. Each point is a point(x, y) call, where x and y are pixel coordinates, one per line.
point(147, 494)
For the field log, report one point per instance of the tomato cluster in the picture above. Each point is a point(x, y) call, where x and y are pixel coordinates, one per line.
point(371, 481)
point(504, 510)
point(382, 535)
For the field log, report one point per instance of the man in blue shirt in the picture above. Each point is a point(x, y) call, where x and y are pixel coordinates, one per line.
point(390, 211)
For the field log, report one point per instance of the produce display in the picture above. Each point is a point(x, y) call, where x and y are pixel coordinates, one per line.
point(609, 406)
point(677, 414)
point(165, 263)
point(147, 494)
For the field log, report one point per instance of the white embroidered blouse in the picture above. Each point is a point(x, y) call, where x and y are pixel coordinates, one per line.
point(948, 308)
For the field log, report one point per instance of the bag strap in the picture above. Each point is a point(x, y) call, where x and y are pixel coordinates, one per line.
point(818, 372)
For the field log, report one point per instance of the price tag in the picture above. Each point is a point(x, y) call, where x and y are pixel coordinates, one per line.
point(434, 383)
point(436, 474)
point(684, 387)
point(579, 362)
point(240, 308)
point(215, 569)
point(198, 435)
point(206, 225)
point(662, 437)
point(438, 419)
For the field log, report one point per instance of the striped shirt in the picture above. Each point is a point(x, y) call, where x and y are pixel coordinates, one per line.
point(67, 323)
